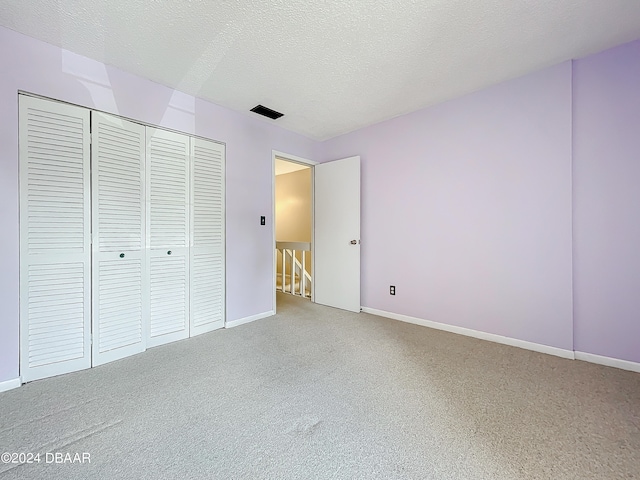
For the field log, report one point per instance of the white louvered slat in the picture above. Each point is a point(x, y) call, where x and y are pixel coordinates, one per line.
point(119, 171)
point(55, 179)
point(207, 289)
point(120, 304)
point(55, 248)
point(208, 234)
point(169, 306)
point(120, 312)
point(208, 205)
point(168, 183)
point(52, 307)
point(168, 159)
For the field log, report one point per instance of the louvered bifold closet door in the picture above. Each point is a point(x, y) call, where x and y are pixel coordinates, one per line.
point(55, 239)
point(208, 237)
point(120, 306)
point(168, 235)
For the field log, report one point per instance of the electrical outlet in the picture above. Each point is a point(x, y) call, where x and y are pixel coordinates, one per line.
point(392, 290)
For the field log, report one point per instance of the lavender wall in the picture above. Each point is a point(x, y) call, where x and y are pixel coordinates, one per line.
point(466, 208)
point(606, 179)
point(30, 65)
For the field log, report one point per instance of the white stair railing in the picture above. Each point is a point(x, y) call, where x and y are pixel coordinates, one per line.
point(299, 279)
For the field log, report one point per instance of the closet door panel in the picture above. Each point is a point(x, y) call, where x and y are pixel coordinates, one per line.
point(55, 238)
point(168, 198)
point(208, 236)
point(169, 304)
point(120, 304)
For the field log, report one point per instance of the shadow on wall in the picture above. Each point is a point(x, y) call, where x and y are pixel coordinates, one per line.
point(105, 88)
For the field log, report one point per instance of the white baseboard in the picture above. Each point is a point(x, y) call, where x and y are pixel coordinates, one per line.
point(536, 347)
point(252, 318)
point(10, 384)
point(608, 361)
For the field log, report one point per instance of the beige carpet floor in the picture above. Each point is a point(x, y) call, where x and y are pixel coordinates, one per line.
point(318, 393)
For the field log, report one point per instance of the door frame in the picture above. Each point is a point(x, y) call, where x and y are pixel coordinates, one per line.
point(303, 161)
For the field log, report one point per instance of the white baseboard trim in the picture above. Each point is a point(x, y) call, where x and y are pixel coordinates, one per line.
point(608, 361)
point(252, 318)
point(513, 342)
point(10, 384)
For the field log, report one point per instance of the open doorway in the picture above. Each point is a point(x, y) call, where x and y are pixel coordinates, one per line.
point(335, 235)
point(293, 225)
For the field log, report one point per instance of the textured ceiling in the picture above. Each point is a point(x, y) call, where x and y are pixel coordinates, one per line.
point(332, 66)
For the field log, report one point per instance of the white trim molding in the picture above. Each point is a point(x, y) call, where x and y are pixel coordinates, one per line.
point(513, 342)
point(294, 158)
point(608, 361)
point(10, 384)
point(252, 318)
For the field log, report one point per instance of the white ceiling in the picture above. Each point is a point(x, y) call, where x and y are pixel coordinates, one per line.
point(331, 66)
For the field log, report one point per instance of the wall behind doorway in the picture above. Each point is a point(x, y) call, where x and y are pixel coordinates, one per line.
point(294, 210)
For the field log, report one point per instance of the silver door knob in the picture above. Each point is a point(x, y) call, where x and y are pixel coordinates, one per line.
point(354, 242)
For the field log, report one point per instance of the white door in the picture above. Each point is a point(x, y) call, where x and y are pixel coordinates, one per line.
point(207, 292)
point(168, 159)
point(337, 234)
point(55, 239)
point(120, 303)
